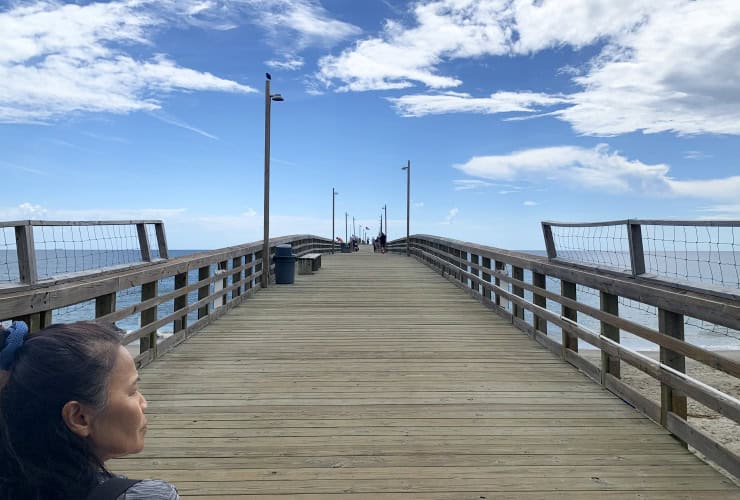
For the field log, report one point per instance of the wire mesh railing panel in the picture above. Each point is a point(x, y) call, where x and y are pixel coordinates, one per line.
point(75, 312)
point(599, 246)
point(151, 234)
point(8, 256)
point(71, 249)
point(700, 254)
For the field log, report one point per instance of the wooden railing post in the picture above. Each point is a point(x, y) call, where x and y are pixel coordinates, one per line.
point(261, 266)
point(549, 241)
point(486, 264)
point(105, 304)
point(568, 290)
point(148, 291)
point(26, 251)
point(475, 261)
point(236, 277)
point(671, 324)
point(146, 254)
point(161, 241)
point(223, 266)
point(249, 270)
point(204, 291)
point(540, 280)
point(609, 304)
point(499, 267)
point(517, 273)
point(181, 281)
point(637, 254)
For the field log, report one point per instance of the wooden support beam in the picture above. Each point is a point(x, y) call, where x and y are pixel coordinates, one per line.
point(609, 365)
point(540, 280)
point(568, 289)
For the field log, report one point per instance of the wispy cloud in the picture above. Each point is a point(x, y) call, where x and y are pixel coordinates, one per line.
point(29, 210)
point(722, 211)
point(451, 216)
point(22, 168)
point(288, 64)
point(448, 102)
point(468, 184)
point(597, 169)
point(529, 203)
point(418, 204)
point(166, 118)
point(696, 155)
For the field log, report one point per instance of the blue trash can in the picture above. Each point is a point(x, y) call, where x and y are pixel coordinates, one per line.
point(284, 265)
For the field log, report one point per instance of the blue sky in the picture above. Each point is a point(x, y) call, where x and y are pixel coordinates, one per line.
point(511, 112)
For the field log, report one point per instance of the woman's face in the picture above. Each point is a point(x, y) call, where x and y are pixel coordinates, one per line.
point(120, 428)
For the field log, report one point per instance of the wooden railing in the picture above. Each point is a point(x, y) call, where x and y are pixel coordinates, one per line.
point(234, 271)
point(485, 273)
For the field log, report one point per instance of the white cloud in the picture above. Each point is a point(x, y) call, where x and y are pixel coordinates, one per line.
point(598, 169)
point(57, 59)
point(447, 102)
point(530, 203)
point(288, 64)
point(722, 211)
point(468, 184)
point(29, 210)
point(419, 204)
point(696, 155)
point(451, 216)
point(663, 65)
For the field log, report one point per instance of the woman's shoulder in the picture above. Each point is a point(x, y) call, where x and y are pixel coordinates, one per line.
point(151, 489)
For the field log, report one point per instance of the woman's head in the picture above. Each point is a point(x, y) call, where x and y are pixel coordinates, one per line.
point(70, 402)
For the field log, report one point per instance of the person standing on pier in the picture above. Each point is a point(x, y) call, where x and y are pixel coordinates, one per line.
point(382, 242)
point(69, 402)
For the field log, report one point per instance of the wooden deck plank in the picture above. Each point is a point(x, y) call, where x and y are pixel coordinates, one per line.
point(374, 378)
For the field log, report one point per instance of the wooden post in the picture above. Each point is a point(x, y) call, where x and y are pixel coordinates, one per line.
point(105, 304)
point(204, 291)
point(36, 321)
point(475, 261)
point(236, 277)
point(499, 266)
point(486, 264)
point(181, 281)
point(26, 251)
point(249, 259)
point(149, 291)
point(161, 241)
point(568, 290)
point(261, 265)
point(223, 266)
point(671, 324)
point(146, 254)
point(540, 280)
point(637, 254)
point(609, 304)
point(549, 241)
point(517, 273)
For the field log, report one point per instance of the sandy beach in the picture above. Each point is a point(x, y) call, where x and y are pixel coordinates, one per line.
point(721, 428)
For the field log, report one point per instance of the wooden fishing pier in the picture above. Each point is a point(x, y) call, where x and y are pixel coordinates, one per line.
point(428, 376)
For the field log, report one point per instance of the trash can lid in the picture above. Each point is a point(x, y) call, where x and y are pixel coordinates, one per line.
point(284, 250)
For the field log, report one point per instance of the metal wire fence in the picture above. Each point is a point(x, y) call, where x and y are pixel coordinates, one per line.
point(52, 249)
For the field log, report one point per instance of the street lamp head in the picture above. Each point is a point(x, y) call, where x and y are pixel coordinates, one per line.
point(277, 97)
point(404, 168)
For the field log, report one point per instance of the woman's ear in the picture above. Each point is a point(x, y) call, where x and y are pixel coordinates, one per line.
point(77, 417)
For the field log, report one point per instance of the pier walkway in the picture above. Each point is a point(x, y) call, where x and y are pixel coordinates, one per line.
point(375, 378)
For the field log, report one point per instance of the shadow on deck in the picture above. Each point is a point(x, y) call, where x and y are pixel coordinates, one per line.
point(376, 379)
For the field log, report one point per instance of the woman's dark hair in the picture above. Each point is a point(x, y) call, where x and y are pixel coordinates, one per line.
point(40, 457)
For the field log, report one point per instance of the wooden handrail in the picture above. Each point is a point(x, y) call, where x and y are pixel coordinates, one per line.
point(462, 263)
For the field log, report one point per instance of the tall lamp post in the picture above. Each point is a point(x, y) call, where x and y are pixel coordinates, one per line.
point(354, 232)
point(385, 209)
point(346, 238)
point(266, 238)
point(407, 168)
point(333, 196)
